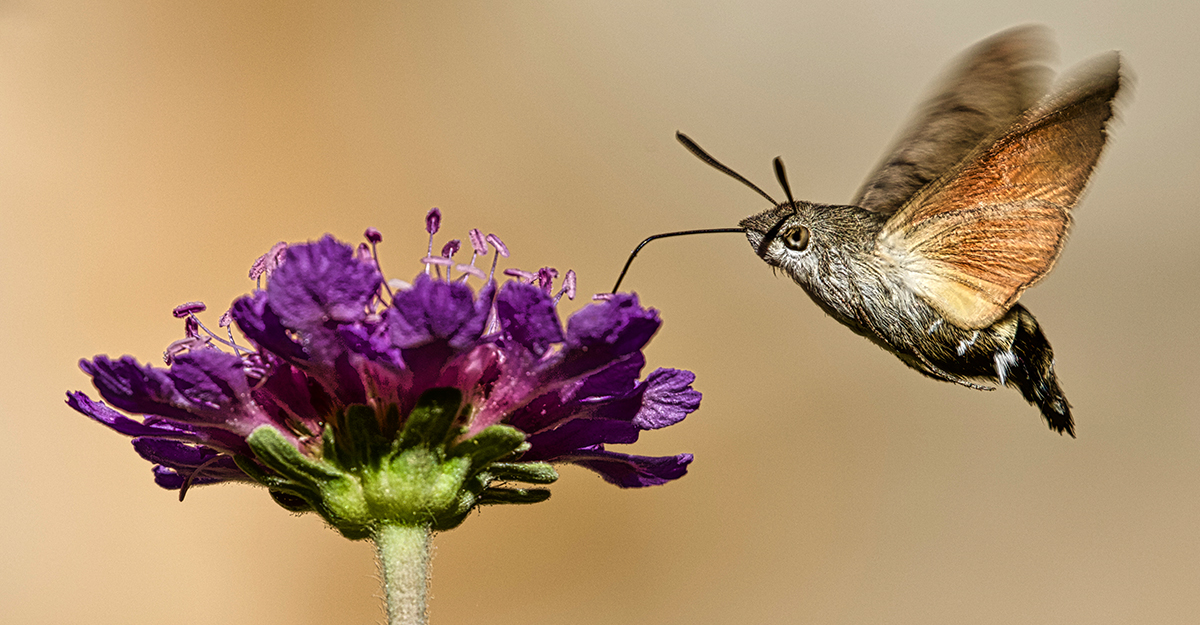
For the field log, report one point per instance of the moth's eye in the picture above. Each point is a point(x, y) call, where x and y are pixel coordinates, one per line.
point(797, 239)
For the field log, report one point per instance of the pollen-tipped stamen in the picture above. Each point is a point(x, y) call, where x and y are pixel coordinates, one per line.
point(568, 287)
point(501, 250)
point(433, 222)
point(373, 236)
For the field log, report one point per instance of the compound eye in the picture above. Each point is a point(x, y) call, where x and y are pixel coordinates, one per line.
point(796, 240)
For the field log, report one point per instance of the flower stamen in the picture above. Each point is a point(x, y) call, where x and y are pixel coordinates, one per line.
point(192, 327)
point(187, 483)
point(478, 244)
point(529, 278)
point(433, 221)
point(545, 279)
point(266, 264)
point(374, 236)
point(501, 250)
point(568, 287)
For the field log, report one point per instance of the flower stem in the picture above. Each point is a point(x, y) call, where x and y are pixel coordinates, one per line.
point(404, 553)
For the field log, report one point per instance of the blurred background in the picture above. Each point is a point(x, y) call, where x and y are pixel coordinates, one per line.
point(150, 151)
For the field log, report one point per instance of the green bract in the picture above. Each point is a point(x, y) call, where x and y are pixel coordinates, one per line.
point(427, 475)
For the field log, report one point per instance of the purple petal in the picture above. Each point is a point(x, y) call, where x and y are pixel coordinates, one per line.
point(373, 341)
point(348, 384)
point(528, 317)
point(321, 283)
point(113, 419)
point(177, 462)
point(260, 324)
point(668, 398)
point(619, 378)
point(605, 331)
point(574, 435)
point(171, 479)
point(585, 399)
point(128, 386)
point(157, 427)
point(210, 380)
point(202, 387)
point(433, 310)
point(172, 453)
point(631, 471)
point(665, 397)
point(288, 395)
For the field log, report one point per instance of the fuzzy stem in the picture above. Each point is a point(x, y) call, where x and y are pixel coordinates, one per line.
point(404, 554)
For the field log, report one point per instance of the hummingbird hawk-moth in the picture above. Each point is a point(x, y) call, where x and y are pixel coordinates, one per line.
point(969, 208)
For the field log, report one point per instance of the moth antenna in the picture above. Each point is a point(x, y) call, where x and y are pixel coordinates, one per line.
point(781, 175)
point(704, 156)
point(665, 235)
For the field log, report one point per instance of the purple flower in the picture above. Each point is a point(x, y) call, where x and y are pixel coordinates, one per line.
point(345, 383)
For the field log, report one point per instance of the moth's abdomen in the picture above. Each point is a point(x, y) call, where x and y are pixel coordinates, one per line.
point(1011, 352)
point(1033, 373)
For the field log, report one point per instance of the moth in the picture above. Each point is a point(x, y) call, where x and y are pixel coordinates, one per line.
point(970, 207)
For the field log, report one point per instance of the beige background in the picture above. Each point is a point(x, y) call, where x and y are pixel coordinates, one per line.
point(149, 151)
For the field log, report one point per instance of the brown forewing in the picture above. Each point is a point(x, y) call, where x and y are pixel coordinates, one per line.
point(971, 243)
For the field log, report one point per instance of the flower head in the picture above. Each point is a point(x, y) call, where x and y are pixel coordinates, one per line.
point(413, 406)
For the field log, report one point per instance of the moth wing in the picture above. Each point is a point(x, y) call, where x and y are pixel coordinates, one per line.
point(970, 243)
point(982, 93)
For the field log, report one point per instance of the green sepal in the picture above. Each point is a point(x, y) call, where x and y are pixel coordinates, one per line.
point(513, 495)
point(391, 423)
point(281, 456)
point(271, 481)
point(288, 494)
point(489, 445)
point(429, 422)
point(357, 440)
point(417, 485)
point(290, 502)
point(367, 469)
point(527, 472)
point(447, 523)
point(468, 498)
point(335, 495)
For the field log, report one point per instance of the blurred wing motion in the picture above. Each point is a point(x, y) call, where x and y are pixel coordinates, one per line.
point(982, 94)
point(970, 243)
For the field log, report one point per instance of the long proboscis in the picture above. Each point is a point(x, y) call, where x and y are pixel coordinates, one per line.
point(666, 235)
point(699, 153)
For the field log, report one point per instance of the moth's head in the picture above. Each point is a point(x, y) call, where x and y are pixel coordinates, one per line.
point(793, 236)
